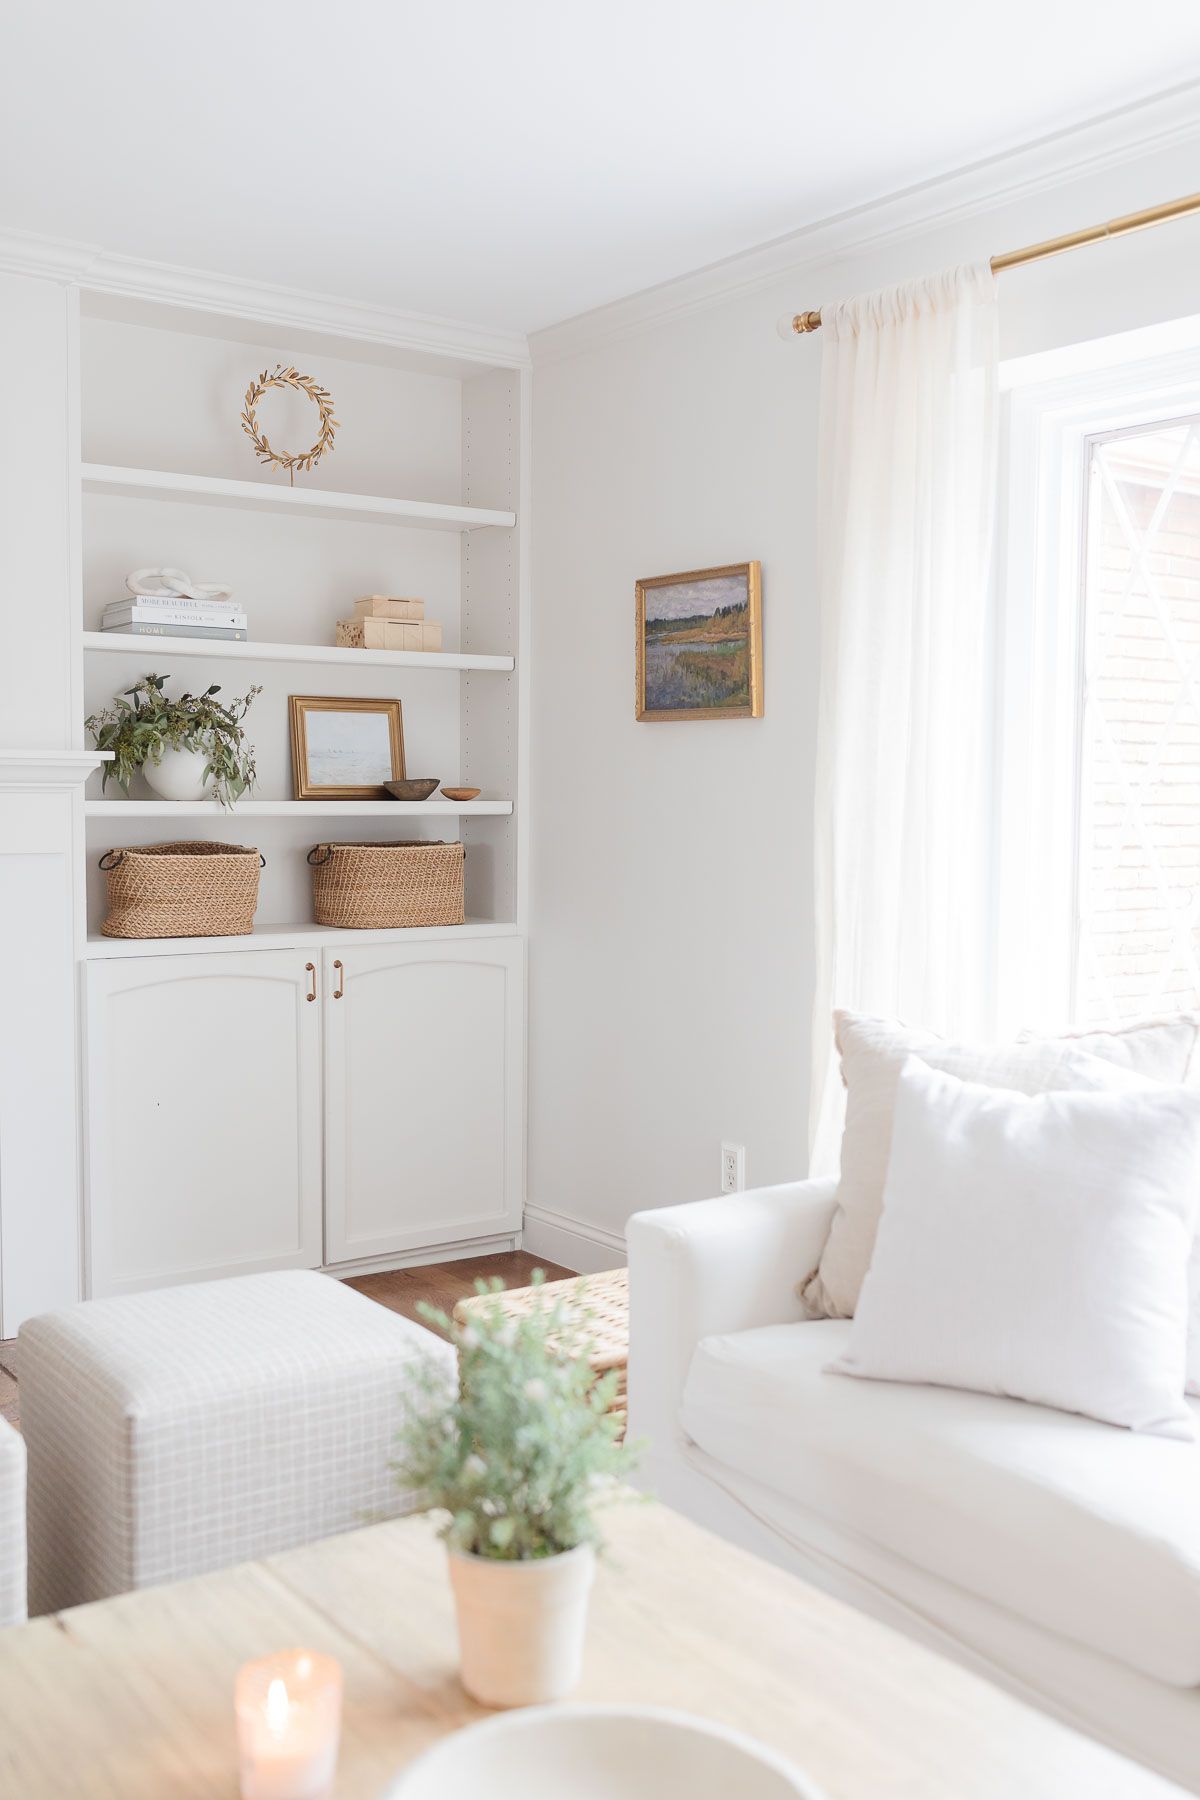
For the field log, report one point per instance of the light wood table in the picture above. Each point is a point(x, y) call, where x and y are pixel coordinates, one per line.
point(131, 1699)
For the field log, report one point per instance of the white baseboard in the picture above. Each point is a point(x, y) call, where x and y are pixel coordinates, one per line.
point(417, 1259)
point(572, 1243)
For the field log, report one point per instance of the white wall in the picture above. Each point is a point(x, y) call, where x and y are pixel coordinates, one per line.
point(38, 323)
point(671, 974)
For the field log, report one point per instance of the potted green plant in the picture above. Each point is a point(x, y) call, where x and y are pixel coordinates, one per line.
point(519, 1453)
point(186, 748)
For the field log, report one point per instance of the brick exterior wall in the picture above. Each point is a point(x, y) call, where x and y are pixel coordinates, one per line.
point(1139, 939)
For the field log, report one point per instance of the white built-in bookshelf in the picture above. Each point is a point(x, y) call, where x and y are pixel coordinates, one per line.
point(311, 1097)
point(119, 644)
point(424, 494)
point(300, 502)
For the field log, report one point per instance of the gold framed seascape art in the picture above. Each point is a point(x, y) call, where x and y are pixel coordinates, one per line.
point(699, 644)
point(344, 749)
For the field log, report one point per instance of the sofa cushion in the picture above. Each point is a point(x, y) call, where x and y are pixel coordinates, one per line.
point(1084, 1529)
point(1036, 1247)
point(873, 1051)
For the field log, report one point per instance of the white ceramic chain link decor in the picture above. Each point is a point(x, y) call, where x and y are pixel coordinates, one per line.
point(174, 584)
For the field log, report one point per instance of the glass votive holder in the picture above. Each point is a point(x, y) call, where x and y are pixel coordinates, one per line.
point(289, 1722)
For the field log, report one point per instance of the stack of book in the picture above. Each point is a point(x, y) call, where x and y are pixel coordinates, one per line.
point(386, 622)
point(167, 615)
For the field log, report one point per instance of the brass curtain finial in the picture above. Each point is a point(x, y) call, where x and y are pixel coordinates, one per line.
point(803, 322)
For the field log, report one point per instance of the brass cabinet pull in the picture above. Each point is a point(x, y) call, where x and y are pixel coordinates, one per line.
point(312, 986)
point(340, 989)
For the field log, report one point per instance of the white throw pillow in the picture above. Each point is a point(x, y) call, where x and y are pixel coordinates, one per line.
point(1036, 1247)
point(873, 1052)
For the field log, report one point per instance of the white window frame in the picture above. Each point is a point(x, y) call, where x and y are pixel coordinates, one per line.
point(1048, 428)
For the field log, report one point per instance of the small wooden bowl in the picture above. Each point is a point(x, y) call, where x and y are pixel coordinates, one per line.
point(412, 790)
point(461, 793)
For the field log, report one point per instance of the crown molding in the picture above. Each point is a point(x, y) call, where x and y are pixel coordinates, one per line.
point(54, 259)
point(164, 284)
point(25, 769)
point(1166, 120)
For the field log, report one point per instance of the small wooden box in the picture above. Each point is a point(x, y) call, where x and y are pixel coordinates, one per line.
point(382, 606)
point(388, 634)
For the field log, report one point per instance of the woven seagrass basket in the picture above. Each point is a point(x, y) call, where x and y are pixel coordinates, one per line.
point(181, 890)
point(599, 1304)
point(375, 887)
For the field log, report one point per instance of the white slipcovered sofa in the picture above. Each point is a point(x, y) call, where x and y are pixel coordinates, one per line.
point(1058, 1556)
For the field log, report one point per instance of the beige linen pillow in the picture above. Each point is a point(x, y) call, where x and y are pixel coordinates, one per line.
point(873, 1052)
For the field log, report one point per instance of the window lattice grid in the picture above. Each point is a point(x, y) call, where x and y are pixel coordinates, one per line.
point(1139, 839)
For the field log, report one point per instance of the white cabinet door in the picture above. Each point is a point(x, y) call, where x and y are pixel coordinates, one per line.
point(204, 1117)
point(424, 1095)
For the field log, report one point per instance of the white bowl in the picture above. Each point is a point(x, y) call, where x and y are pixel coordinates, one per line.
point(600, 1753)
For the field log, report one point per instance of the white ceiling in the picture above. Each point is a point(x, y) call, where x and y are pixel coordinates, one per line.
point(513, 162)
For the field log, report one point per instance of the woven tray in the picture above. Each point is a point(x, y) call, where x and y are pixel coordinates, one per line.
point(605, 1300)
point(377, 887)
point(181, 890)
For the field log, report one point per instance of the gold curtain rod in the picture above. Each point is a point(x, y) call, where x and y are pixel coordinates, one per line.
point(1094, 234)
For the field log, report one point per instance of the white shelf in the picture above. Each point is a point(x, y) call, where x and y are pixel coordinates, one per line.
point(142, 647)
point(284, 937)
point(295, 809)
point(260, 496)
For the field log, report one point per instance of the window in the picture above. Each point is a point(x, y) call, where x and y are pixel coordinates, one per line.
point(1138, 905)
point(1097, 845)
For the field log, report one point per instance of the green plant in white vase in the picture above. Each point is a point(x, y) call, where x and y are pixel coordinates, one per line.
point(187, 748)
point(519, 1454)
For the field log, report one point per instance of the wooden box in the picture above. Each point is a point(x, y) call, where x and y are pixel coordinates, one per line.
point(388, 634)
point(383, 606)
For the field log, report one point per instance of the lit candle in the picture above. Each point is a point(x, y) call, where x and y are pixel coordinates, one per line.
point(289, 1719)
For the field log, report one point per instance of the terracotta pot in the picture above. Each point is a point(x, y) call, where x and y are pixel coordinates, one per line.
point(179, 776)
point(521, 1625)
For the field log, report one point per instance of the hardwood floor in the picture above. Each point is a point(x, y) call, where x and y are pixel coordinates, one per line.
point(442, 1284)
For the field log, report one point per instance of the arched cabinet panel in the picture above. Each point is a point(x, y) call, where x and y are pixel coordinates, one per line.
point(203, 1086)
point(424, 1102)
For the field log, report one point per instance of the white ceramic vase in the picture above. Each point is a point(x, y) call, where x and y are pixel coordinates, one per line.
point(179, 776)
point(521, 1625)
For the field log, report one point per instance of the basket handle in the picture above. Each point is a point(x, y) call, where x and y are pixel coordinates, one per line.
point(316, 860)
point(108, 867)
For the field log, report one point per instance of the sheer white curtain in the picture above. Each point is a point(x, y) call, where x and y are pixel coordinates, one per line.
point(907, 503)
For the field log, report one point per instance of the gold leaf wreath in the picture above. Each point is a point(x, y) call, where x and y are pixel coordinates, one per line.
point(279, 377)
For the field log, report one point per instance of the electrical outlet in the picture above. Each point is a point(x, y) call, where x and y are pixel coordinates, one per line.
point(733, 1168)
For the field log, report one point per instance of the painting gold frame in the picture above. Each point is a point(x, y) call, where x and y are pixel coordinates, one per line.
point(300, 705)
point(754, 710)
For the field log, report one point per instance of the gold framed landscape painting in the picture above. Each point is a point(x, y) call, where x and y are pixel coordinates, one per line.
point(699, 644)
point(344, 749)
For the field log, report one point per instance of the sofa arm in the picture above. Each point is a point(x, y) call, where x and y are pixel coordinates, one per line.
point(712, 1266)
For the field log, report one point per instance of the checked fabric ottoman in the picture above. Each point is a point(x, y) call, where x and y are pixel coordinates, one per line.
point(188, 1428)
point(12, 1525)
